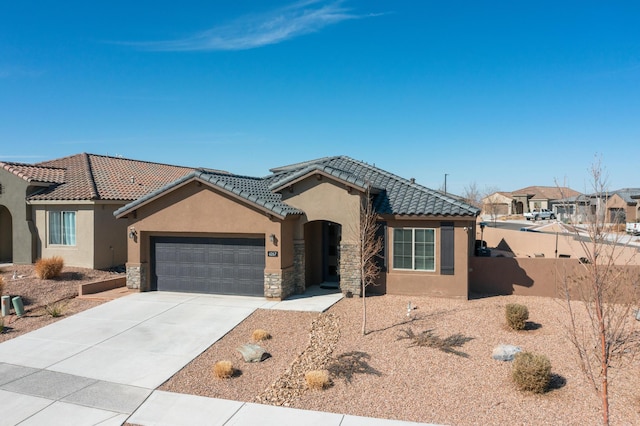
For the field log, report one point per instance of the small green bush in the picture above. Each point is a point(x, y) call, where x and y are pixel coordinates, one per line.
point(517, 316)
point(55, 309)
point(48, 268)
point(531, 372)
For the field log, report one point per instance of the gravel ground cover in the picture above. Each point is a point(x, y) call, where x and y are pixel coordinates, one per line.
point(36, 294)
point(379, 375)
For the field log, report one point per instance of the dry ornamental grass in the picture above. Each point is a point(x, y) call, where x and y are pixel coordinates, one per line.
point(223, 369)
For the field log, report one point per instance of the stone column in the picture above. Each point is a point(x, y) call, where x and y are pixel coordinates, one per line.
point(349, 269)
point(137, 276)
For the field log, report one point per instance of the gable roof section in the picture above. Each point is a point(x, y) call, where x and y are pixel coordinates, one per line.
point(629, 195)
point(546, 192)
point(252, 190)
point(97, 177)
point(395, 195)
point(33, 173)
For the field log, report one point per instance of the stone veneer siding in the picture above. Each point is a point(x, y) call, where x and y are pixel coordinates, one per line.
point(299, 267)
point(137, 276)
point(349, 269)
point(279, 285)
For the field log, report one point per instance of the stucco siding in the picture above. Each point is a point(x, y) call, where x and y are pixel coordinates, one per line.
point(406, 282)
point(110, 237)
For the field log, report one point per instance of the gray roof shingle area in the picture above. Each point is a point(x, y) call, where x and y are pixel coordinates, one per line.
point(626, 194)
point(392, 194)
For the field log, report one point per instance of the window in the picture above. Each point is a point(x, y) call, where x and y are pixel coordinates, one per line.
point(62, 228)
point(414, 249)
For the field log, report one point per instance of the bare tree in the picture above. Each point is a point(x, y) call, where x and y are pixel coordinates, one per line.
point(492, 203)
point(472, 195)
point(370, 245)
point(607, 288)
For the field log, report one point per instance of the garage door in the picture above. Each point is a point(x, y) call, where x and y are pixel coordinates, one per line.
point(209, 265)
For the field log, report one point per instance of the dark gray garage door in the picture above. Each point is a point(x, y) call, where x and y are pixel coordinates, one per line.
point(208, 265)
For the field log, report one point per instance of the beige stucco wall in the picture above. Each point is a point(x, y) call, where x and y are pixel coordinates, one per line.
point(110, 237)
point(16, 219)
point(328, 200)
point(81, 254)
point(405, 282)
point(197, 210)
point(617, 202)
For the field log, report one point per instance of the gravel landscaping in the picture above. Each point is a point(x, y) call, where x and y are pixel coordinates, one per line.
point(379, 375)
point(36, 294)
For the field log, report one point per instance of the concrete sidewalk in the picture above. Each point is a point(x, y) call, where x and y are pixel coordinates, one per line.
point(100, 366)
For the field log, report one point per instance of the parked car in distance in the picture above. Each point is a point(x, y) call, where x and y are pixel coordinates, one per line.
point(537, 214)
point(633, 228)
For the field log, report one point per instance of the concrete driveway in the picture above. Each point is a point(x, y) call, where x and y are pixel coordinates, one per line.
point(99, 366)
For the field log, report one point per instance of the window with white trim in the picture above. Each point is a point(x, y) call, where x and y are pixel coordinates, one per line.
point(62, 228)
point(414, 249)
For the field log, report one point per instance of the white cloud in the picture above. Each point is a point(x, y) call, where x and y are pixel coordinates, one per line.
point(250, 32)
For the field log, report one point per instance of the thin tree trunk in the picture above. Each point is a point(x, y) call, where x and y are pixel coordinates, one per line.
point(364, 310)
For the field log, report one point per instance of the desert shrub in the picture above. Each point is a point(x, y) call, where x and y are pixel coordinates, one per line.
point(223, 369)
point(260, 335)
point(1, 285)
point(1, 324)
point(517, 316)
point(55, 309)
point(317, 379)
point(531, 372)
point(48, 268)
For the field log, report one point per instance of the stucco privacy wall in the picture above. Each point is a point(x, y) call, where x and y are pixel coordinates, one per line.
point(195, 209)
point(22, 232)
point(530, 244)
point(529, 277)
point(403, 282)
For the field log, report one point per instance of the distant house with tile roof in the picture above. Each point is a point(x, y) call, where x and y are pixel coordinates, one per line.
point(622, 205)
point(64, 207)
point(276, 235)
point(526, 199)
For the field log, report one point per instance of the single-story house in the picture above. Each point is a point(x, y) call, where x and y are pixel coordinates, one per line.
point(64, 207)
point(525, 200)
point(622, 205)
point(275, 236)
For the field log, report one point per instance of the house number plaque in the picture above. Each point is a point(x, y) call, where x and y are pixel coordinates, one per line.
point(272, 253)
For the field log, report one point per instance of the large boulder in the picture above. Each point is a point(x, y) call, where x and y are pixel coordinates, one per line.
point(253, 353)
point(505, 352)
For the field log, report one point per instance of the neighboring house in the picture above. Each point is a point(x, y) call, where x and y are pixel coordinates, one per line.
point(525, 200)
point(576, 209)
point(64, 207)
point(275, 236)
point(622, 205)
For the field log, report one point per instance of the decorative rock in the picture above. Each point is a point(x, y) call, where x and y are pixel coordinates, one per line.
point(505, 352)
point(638, 314)
point(253, 353)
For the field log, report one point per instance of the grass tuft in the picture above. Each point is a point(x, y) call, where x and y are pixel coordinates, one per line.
point(260, 335)
point(223, 369)
point(49, 268)
point(55, 309)
point(317, 379)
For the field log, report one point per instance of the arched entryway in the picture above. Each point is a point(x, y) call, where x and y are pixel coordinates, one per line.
point(6, 235)
point(322, 252)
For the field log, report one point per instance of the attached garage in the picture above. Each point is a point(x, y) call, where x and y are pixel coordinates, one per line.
point(208, 265)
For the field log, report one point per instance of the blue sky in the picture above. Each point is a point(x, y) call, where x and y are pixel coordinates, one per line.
point(505, 94)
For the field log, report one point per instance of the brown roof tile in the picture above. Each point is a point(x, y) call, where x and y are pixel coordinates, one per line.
point(33, 173)
point(98, 177)
point(547, 192)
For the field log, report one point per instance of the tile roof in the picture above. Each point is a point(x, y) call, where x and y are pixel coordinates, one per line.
point(33, 173)
point(96, 177)
point(629, 195)
point(393, 194)
point(546, 192)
